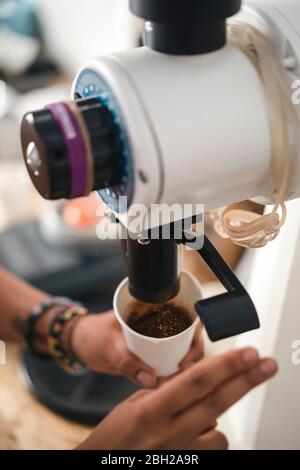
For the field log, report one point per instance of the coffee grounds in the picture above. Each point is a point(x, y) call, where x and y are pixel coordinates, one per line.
point(158, 321)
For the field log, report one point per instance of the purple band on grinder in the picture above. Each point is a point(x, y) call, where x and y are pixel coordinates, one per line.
point(75, 147)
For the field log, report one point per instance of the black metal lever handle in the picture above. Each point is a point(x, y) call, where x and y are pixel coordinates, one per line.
point(228, 314)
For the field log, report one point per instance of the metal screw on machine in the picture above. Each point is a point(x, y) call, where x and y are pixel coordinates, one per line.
point(33, 159)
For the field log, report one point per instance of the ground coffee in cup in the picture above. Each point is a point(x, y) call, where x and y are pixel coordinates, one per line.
point(158, 321)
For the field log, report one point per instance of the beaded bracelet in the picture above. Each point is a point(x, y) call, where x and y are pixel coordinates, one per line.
point(65, 359)
point(38, 312)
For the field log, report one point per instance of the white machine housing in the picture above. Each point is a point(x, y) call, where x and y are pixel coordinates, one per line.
point(198, 125)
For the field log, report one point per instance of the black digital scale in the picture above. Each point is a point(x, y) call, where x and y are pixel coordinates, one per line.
point(88, 274)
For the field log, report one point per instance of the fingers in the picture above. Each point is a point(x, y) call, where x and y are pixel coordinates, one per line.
point(196, 419)
point(213, 440)
point(203, 378)
point(235, 389)
point(133, 368)
point(196, 352)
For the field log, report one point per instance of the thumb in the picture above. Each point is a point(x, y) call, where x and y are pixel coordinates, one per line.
point(135, 369)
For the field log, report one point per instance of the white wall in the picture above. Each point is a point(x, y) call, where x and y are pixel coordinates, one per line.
point(77, 30)
point(269, 418)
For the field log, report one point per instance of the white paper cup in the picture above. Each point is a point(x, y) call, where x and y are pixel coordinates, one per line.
point(162, 354)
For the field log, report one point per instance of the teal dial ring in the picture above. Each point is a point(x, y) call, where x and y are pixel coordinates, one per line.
point(90, 84)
